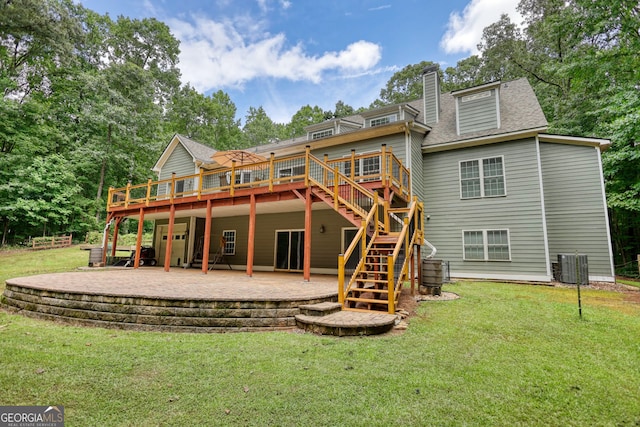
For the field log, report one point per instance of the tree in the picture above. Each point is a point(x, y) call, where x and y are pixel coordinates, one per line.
point(304, 117)
point(343, 110)
point(503, 52)
point(228, 134)
point(42, 195)
point(405, 85)
point(259, 128)
point(36, 37)
point(194, 115)
point(466, 73)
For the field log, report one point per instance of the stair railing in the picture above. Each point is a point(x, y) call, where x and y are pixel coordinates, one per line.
point(344, 191)
point(411, 234)
point(352, 263)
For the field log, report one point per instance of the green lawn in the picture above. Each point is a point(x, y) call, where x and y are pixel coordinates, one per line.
point(502, 354)
point(629, 281)
point(18, 263)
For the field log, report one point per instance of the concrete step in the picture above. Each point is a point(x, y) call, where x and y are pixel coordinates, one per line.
point(320, 309)
point(347, 323)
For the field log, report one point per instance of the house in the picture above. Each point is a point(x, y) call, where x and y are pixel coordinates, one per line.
point(472, 173)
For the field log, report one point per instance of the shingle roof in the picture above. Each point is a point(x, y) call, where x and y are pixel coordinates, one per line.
point(198, 150)
point(519, 111)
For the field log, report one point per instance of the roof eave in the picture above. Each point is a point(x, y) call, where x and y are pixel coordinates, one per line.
point(483, 140)
point(600, 143)
point(358, 135)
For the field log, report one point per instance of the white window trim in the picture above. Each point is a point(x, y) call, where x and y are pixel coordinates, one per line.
point(360, 164)
point(390, 118)
point(290, 170)
point(321, 134)
point(244, 175)
point(480, 161)
point(486, 245)
point(235, 236)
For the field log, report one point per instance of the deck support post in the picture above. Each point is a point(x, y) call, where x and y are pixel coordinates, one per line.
point(136, 262)
point(413, 270)
point(252, 235)
point(167, 253)
point(307, 235)
point(116, 228)
point(419, 256)
point(105, 241)
point(207, 239)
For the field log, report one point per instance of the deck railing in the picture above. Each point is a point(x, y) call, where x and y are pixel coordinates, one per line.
point(407, 223)
point(382, 166)
point(399, 261)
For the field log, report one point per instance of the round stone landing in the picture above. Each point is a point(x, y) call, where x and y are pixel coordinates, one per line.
point(347, 323)
point(182, 300)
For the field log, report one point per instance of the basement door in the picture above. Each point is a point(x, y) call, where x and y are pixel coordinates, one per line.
point(289, 250)
point(177, 246)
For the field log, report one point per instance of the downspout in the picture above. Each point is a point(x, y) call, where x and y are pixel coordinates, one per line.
point(430, 246)
point(105, 231)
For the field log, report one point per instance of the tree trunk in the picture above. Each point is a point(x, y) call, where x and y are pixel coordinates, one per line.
point(103, 172)
point(5, 229)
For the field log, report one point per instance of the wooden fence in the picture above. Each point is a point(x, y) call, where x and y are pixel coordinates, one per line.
point(51, 242)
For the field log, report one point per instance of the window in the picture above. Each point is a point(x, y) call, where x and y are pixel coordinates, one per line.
point(229, 237)
point(294, 170)
point(183, 186)
point(365, 168)
point(321, 134)
point(482, 178)
point(486, 245)
point(379, 121)
point(242, 177)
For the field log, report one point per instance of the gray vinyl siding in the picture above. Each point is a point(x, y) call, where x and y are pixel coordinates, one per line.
point(180, 162)
point(574, 205)
point(520, 211)
point(431, 93)
point(325, 247)
point(477, 114)
point(395, 142)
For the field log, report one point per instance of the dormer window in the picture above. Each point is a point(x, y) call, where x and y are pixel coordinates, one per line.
point(379, 121)
point(321, 134)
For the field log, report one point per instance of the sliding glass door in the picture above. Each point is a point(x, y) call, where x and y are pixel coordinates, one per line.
point(289, 250)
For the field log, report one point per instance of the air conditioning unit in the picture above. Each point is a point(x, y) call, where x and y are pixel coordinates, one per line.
point(573, 268)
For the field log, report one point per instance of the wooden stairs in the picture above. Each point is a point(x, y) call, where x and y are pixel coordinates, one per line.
point(389, 236)
point(371, 292)
point(342, 209)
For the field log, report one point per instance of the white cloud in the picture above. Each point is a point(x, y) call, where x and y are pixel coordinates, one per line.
point(464, 30)
point(264, 6)
point(227, 54)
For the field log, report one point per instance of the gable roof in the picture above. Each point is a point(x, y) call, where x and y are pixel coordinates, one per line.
point(199, 152)
point(520, 116)
point(519, 112)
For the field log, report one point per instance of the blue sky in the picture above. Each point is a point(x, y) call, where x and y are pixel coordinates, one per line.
point(284, 54)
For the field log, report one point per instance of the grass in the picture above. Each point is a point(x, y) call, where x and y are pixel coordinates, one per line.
point(629, 281)
point(502, 354)
point(23, 262)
